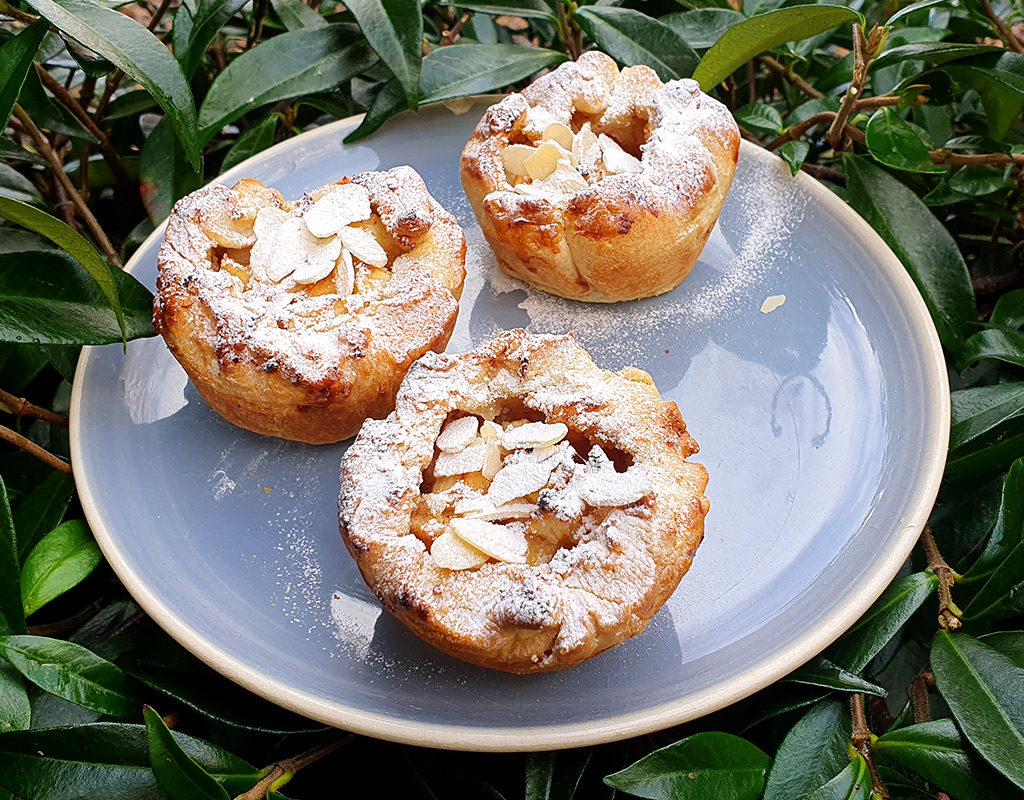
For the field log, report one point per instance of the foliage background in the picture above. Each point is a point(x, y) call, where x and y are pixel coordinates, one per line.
point(111, 111)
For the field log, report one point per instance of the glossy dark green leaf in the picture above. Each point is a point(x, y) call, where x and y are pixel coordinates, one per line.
point(759, 118)
point(135, 51)
point(16, 186)
point(853, 783)
point(1002, 595)
point(631, 37)
point(754, 36)
point(450, 72)
point(985, 691)
point(702, 27)
point(1009, 643)
point(996, 452)
point(977, 411)
point(165, 174)
point(58, 302)
point(69, 240)
point(42, 510)
point(73, 673)
point(295, 15)
point(979, 181)
point(47, 114)
point(1002, 345)
point(887, 615)
point(891, 141)
point(387, 102)
point(794, 153)
point(704, 765)
point(998, 78)
point(9, 151)
point(252, 141)
point(195, 31)
point(16, 56)
point(394, 29)
point(555, 775)
point(105, 761)
point(921, 242)
point(61, 560)
point(1009, 310)
point(938, 753)
point(292, 64)
point(528, 9)
point(822, 672)
point(87, 61)
point(932, 53)
point(814, 751)
point(15, 709)
point(176, 772)
point(781, 699)
point(12, 616)
point(913, 8)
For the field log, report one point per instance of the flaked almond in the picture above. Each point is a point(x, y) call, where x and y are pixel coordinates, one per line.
point(340, 206)
point(615, 489)
point(534, 434)
point(471, 459)
point(586, 148)
point(492, 461)
point(451, 552)
point(514, 157)
point(345, 275)
point(457, 435)
point(544, 160)
point(319, 263)
point(559, 132)
point(490, 431)
point(497, 541)
point(518, 479)
point(363, 246)
point(507, 511)
point(616, 160)
point(227, 226)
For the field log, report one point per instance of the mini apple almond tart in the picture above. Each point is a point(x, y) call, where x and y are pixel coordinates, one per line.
point(601, 185)
point(523, 509)
point(299, 319)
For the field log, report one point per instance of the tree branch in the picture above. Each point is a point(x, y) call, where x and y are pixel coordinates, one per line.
point(975, 160)
point(288, 767)
point(861, 742)
point(33, 449)
point(21, 407)
point(790, 75)
point(860, 74)
point(14, 13)
point(949, 614)
point(1005, 33)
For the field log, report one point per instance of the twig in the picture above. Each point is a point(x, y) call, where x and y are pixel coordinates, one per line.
point(568, 35)
point(993, 285)
point(14, 13)
point(823, 173)
point(861, 742)
point(21, 407)
point(975, 160)
point(794, 133)
point(871, 103)
point(920, 688)
point(290, 766)
point(860, 74)
point(109, 154)
point(32, 448)
point(158, 15)
point(1004, 30)
point(751, 83)
point(791, 76)
point(68, 624)
point(43, 146)
point(949, 614)
point(451, 34)
point(259, 11)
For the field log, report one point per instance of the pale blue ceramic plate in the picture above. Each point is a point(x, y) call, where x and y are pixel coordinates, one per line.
point(823, 423)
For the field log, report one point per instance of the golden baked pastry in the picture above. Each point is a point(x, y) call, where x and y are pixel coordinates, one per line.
point(523, 509)
point(300, 319)
point(601, 185)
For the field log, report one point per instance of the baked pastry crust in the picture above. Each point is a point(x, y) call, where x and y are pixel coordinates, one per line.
point(307, 361)
point(604, 237)
point(600, 559)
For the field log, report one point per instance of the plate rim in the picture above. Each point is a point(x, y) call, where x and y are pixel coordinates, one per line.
point(623, 726)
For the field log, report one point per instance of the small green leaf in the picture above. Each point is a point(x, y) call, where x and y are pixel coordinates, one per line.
point(984, 689)
point(15, 709)
point(298, 63)
point(387, 102)
point(880, 623)
point(1002, 345)
point(921, 242)
point(12, 615)
point(1002, 595)
point(702, 27)
point(9, 151)
point(394, 29)
point(136, 52)
point(527, 9)
point(822, 672)
point(981, 409)
point(73, 243)
point(794, 153)
point(931, 53)
point(165, 175)
point(252, 141)
point(938, 753)
point(73, 673)
point(998, 78)
point(912, 8)
point(1009, 643)
point(42, 510)
point(295, 15)
point(754, 36)
point(1009, 310)
point(853, 783)
point(555, 775)
point(193, 32)
point(894, 143)
point(450, 72)
point(16, 56)
point(62, 559)
point(16, 186)
point(631, 38)
point(178, 775)
point(814, 751)
point(759, 118)
point(704, 765)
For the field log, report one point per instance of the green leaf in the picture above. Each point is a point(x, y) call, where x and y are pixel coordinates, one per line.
point(938, 753)
point(15, 185)
point(48, 115)
point(387, 102)
point(631, 38)
point(165, 174)
point(981, 409)
point(555, 775)
point(130, 104)
point(136, 52)
point(1001, 345)
point(528, 9)
point(199, 29)
point(701, 766)
point(107, 761)
point(1002, 595)
point(853, 783)
point(998, 79)
point(1009, 643)
point(9, 151)
point(985, 691)
point(16, 56)
point(480, 68)
point(178, 775)
point(814, 751)
point(754, 36)
point(702, 27)
point(759, 118)
point(990, 457)
point(921, 242)
point(1009, 310)
point(295, 15)
point(12, 616)
point(73, 673)
point(912, 8)
point(794, 153)
point(63, 558)
point(880, 623)
point(69, 240)
point(822, 672)
point(394, 29)
point(932, 53)
point(15, 709)
point(252, 141)
point(894, 143)
point(287, 66)
point(42, 510)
